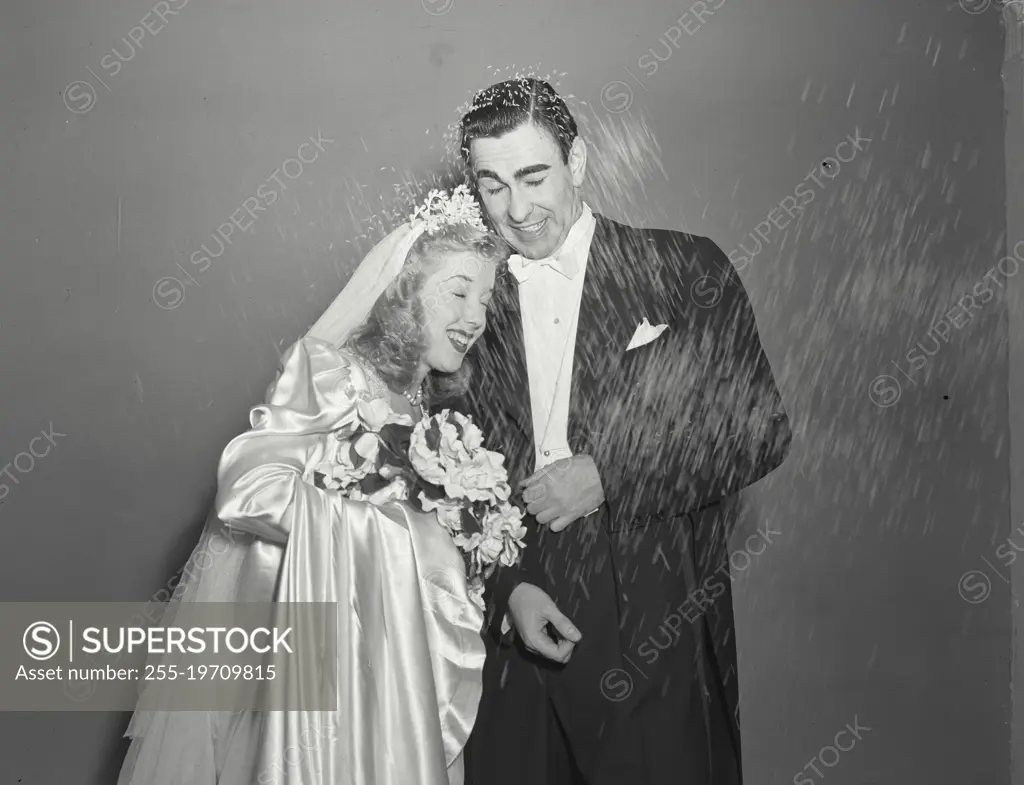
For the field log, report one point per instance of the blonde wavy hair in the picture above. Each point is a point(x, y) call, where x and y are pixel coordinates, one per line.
point(392, 339)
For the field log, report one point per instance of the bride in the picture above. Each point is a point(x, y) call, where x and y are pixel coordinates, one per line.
point(297, 521)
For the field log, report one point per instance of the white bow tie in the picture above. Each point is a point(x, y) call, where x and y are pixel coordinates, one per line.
point(523, 268)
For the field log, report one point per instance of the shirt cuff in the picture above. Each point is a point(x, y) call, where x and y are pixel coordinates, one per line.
point(505, 625)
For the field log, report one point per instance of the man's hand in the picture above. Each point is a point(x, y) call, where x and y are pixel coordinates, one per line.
point(532, 610)
point(563, 491)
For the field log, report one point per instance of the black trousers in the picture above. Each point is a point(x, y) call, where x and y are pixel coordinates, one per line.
point(680, 731)
point(662, 741)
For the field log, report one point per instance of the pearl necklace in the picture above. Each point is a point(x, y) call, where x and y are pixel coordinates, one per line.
point(416, 399)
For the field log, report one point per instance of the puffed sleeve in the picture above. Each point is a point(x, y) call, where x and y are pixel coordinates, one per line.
point(263, 479)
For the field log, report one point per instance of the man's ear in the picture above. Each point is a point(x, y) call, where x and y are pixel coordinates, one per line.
point(578, 161)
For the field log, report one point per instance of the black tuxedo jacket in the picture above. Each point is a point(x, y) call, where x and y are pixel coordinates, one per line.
point(674, 427)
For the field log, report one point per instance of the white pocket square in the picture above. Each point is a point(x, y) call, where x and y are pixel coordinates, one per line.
point(645, 333)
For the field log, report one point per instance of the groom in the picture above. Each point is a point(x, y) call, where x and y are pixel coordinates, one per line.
point(632, 398)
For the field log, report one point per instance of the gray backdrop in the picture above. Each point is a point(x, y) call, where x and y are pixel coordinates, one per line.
point(857, 610)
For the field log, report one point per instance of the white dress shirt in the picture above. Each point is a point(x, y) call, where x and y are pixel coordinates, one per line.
point(550, 290)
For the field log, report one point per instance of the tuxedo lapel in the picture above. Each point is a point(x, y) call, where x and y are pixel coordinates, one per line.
point(616, 297)
point(509, 355)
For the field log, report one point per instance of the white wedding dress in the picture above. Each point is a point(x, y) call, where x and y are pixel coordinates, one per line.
point(409, 645)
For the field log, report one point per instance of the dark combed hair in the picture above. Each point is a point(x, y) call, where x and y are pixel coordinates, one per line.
point(505, 106)
point(391, 339)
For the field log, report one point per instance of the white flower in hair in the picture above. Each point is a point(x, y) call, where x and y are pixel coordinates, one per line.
point(441, 210)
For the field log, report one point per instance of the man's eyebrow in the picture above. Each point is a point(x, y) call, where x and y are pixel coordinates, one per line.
point(526, 171)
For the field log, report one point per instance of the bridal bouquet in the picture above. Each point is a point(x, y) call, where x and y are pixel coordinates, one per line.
point(439, 465)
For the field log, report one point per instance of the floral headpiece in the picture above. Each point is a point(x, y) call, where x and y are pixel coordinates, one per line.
point(440, 210)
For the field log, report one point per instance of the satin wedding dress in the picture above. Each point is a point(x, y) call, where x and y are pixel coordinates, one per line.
point(409, 645)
